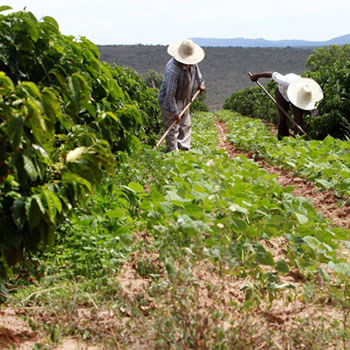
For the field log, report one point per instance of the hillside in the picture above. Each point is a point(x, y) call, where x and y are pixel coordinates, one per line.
point(224, 68)
point(260, 42)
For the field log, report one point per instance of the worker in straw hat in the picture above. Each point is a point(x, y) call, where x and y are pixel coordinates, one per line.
point(181, 75)
point(302, 94)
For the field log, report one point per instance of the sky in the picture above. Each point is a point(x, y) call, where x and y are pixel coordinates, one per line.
point(153, 22)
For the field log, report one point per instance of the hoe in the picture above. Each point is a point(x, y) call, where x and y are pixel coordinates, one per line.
point(180, 115)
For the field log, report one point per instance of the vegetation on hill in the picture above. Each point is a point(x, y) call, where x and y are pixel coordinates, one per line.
point(260, 42)
point(224, 68)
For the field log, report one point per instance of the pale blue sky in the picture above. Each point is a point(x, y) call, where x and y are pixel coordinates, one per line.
point(163, 21)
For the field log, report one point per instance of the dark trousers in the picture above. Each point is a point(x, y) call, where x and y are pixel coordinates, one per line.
point(283, 129)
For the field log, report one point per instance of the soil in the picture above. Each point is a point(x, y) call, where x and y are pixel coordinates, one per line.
point(16, 333)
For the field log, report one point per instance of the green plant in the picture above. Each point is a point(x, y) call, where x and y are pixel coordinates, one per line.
point(253, 102)
point(326, 56)
point(325, 162)
point(63, 114)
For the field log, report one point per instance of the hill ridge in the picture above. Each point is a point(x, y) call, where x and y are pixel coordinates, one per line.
point(261, 42)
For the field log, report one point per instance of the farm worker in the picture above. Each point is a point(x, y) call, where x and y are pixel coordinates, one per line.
point(180, 76)
point(302, 94)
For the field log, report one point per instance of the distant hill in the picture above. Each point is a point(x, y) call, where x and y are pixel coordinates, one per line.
point(242, 42)
point(224, 68)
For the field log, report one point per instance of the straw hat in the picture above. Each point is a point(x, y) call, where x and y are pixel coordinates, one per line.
point(304, 93)
point(186, 52)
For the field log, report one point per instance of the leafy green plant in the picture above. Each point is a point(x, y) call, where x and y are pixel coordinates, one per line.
point(167, 215)
point(63, 114)
point(326, 56)
point(326, 162)
point(253, 102)
point(334, 118)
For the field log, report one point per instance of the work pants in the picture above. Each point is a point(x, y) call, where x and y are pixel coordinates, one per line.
point(179, 137)
point(283, 128)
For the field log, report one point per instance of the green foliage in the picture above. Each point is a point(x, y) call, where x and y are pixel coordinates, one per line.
point(326, 162)
point(334, 109)
point(170, 216)
point(63, 114)
point(199, 202)
point(254, 103)
point(327, 56)
point(153, 79)
point(198, 106)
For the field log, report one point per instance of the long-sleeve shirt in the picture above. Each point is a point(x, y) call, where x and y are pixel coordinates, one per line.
point(283, 82)
point(175, 85)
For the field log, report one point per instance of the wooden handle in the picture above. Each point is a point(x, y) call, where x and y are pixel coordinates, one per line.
point(180, 115)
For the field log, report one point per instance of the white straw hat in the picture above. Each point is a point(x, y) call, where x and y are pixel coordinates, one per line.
point(186, 52)
point(304, 93)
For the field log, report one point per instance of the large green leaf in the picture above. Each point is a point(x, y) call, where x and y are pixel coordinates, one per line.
point(6, 84)
point(30, 168)
point(31, 25)
point(4, 8)
point(36, 122)
point(282, 266)
point(15, 124)
point(34, 211)
point(18, 213)
point(263, 256)
point(79, 89)
point(30, 89)
point(53, 204)
point(302, 219)
point(51, 21)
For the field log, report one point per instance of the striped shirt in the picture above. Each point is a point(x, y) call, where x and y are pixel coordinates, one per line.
point(173, 84)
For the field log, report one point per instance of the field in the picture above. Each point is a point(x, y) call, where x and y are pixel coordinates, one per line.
point(109, 242)
point(224, 68)
point(228, 246)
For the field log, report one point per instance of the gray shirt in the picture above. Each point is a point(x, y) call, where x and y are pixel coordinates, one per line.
point(177, 83)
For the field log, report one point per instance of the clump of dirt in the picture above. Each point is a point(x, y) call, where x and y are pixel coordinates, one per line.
point(13, 330)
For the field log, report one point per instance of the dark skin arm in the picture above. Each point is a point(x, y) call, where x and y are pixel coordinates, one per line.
point(255, 77)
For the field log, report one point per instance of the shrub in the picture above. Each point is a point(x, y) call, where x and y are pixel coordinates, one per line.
point(63, 115)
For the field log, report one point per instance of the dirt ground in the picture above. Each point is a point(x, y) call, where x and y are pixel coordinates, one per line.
point(15, 333)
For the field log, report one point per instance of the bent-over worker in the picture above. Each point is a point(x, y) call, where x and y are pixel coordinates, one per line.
point(302, 94)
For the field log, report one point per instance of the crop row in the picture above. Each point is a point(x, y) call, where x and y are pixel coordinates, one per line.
point(200, 203)
point(325, 162)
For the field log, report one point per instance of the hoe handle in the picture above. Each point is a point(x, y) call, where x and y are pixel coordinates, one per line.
point(180, 116)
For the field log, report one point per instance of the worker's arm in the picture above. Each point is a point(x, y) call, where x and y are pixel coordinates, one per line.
point(257, 76)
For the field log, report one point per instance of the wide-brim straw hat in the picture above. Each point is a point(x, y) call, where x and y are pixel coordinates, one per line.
point(304, 93)
point(186, 52)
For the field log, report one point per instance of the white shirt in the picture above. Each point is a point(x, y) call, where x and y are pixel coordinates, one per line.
point(283, 82)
